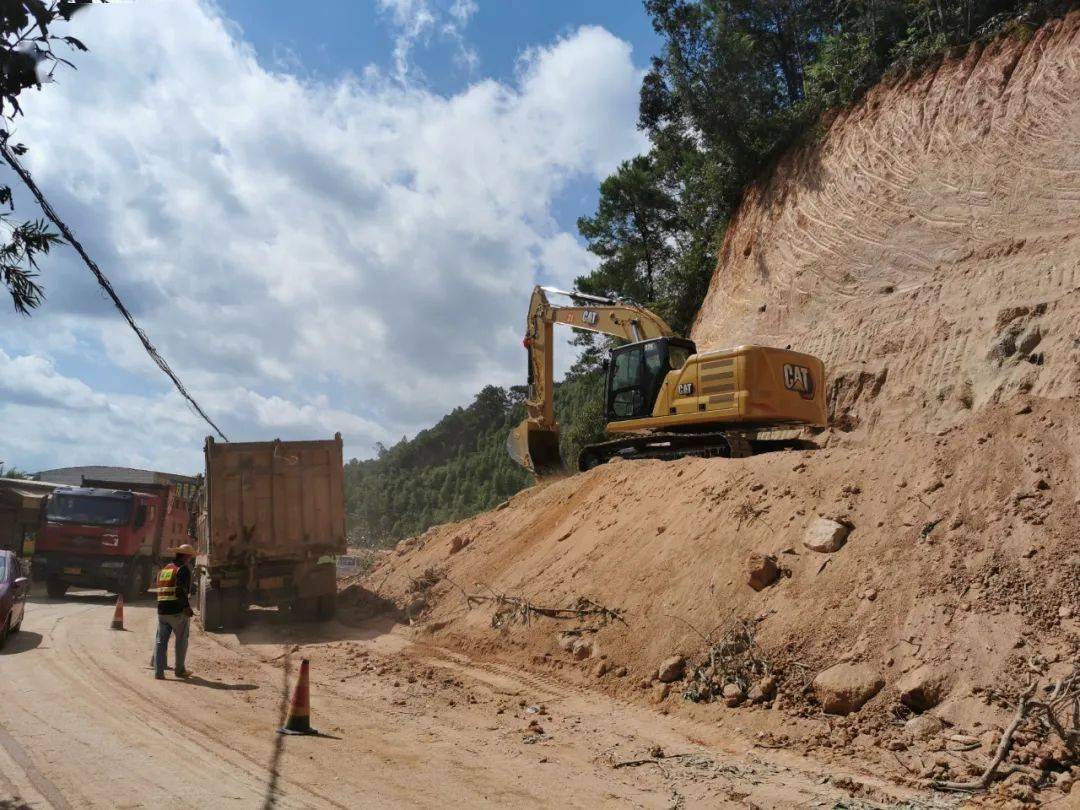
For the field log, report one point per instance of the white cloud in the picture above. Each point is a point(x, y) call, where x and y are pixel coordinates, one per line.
point(33, 380)
point(416, 20)
point(290, 244)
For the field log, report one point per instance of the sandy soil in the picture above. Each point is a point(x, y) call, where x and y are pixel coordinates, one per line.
point(407, 725)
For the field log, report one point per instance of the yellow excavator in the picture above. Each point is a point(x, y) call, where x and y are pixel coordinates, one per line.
point(663, 399)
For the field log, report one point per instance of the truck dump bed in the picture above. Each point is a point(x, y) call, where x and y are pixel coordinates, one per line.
point(265, 501)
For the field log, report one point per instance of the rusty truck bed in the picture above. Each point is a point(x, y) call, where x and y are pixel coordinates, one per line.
point(275, 500)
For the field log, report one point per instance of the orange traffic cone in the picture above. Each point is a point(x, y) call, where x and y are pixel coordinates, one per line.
point(299, 719)
point(118, 614)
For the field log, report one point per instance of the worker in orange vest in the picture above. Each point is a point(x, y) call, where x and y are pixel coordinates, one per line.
point(174, 611)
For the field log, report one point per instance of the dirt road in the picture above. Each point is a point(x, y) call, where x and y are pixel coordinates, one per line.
point(84, 724)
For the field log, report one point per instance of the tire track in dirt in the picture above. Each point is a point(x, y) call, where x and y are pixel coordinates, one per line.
point(37, 779)
point(212, 741)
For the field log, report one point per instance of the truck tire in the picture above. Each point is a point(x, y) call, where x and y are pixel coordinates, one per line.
point(232, 610)
point(138, 581)
point(305, 608)
point(56, 588)
point(210, 613)
point(327, 607)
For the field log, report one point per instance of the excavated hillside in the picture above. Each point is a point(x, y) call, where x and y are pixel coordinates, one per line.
point(926, 246)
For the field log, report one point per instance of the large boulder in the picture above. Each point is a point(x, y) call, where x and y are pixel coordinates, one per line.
point(924, 688)
point(762, 571)
point(844, 688)
point(671, 670)
point(825, 535)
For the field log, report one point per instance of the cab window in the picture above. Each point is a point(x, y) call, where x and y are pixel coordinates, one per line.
point(677, 356)
point(626, 396)
point(627, 369)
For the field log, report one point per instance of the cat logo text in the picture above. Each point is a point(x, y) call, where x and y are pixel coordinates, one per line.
point(797, 378)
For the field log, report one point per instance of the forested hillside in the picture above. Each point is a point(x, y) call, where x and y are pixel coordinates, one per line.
point(735, 84)
point(460, 466)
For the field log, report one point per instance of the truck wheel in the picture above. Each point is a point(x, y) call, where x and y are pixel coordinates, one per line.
point(327, 606)
point(138, 582)
point(305, 608)
point(232, 610)
point(210, 612)
point(56, 588)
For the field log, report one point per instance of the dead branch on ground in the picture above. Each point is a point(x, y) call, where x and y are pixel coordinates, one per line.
point(426, 581)
point(1059, 716)
point(747, 513)
point(734, 658)
point(511, 609)
point(633, 763)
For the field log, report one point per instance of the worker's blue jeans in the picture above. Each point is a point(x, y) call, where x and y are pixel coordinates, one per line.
point(167, 625)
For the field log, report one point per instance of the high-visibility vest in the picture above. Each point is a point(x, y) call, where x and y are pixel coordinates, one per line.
point(166, 583)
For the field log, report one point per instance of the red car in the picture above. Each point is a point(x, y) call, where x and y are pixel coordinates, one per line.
point(14, 588)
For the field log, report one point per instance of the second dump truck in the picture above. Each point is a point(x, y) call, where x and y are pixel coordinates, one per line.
point(270, 520)
point(109, 535)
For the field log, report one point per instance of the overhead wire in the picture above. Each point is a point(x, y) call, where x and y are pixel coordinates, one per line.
point(102, 280)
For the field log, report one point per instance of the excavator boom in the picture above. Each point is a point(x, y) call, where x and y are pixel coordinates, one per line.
point(535, 442)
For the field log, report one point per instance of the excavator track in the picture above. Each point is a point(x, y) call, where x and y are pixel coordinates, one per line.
point(667, 446)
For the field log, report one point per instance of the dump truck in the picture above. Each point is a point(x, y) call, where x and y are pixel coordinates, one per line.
point(270, 520)
point(108, 535)
point(664, 398)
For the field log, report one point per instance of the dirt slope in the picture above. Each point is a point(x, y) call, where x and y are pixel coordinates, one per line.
point(927, 244)
point(926, 247)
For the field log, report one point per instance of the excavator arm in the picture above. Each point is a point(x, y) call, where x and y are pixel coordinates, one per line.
point(535, 442)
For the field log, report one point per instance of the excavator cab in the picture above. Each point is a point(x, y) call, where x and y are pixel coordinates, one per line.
point(636, 374)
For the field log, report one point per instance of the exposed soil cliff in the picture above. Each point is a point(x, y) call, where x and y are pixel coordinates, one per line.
point(926, 245)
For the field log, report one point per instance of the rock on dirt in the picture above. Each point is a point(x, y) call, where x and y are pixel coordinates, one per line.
point(763, 690)
point(762, 571)
point(924, 688)
point(733, 695)
point(585, 648)
point(844, 688)
point(825, 535)
point(671, 670)
point(458, 542)
point(923, 726)
point(565, 641)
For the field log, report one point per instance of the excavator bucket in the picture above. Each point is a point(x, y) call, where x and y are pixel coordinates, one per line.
point(535, 448)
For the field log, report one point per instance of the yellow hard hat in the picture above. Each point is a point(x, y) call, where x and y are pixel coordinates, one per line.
point(186, 548)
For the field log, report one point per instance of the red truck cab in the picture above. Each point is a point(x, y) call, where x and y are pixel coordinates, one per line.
point(101, 537)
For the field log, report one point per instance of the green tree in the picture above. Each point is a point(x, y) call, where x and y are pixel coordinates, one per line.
point(27, 40)
point(630, 232)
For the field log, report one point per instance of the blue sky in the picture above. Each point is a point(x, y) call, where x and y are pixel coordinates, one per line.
point(349, 35)
point(327, 221)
